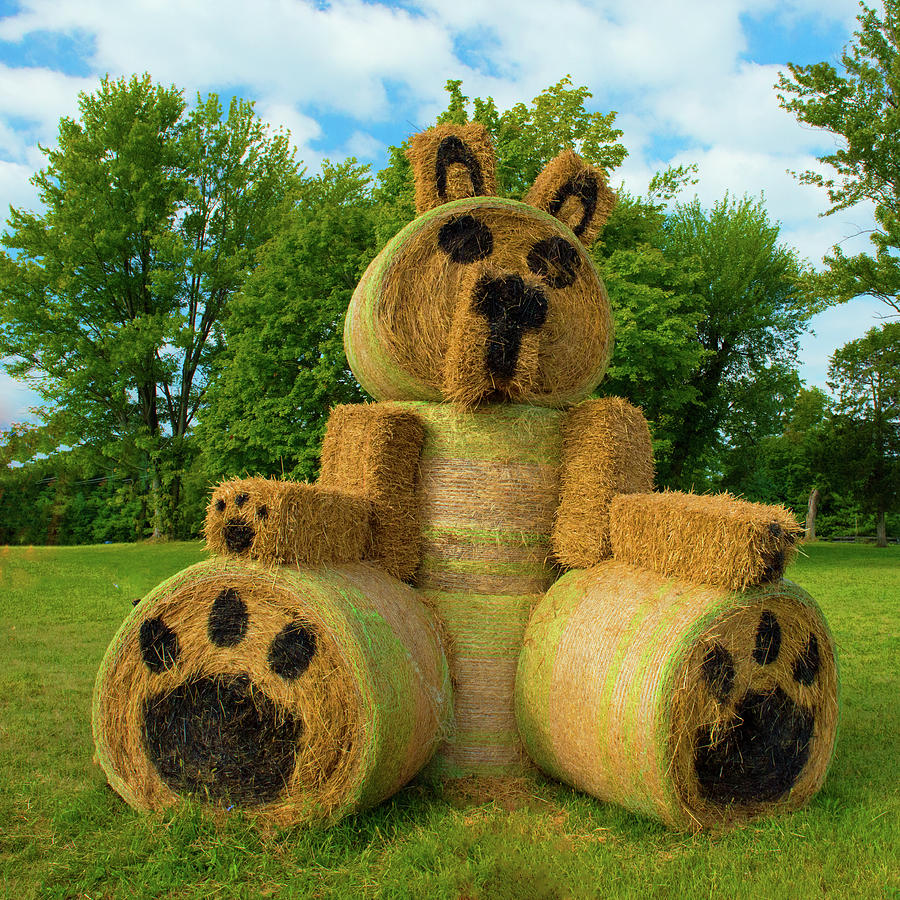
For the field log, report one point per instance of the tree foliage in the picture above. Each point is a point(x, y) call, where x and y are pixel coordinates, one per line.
point(859, 104)
point(865, 447)
point(749, 312)
point(285, 366)
point(112, 297)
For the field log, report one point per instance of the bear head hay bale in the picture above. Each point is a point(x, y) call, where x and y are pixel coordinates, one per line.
point(699, 706)
point(297, 694)
point(482, 299)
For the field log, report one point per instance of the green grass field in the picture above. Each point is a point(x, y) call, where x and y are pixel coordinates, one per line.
point(64, 833)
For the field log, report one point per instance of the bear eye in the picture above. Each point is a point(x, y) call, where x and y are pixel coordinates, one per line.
point(465, 239)
point(556, 260)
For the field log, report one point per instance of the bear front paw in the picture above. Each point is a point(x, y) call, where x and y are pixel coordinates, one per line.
point(287, 522)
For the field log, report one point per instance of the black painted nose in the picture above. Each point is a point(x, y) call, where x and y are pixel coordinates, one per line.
point(511, 308)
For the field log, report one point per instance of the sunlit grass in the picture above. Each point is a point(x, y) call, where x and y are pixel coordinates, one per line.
point(64, 833)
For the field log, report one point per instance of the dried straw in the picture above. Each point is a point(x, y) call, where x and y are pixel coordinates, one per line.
point(363, 710)
point(372, 452)
point(575, 193)
point(606, 452)
point(411, 333)
point(685, 702)
point(716, 539)
point(488, 489)
point(286, 522)
point(470, 172)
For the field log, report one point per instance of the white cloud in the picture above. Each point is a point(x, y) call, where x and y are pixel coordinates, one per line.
point(675, 71)
point(16, 401)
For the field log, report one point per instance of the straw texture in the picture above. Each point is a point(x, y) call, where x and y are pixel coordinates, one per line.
point(692, 704)
point(488, 488)
point(372, 452)
point(287, 522)
point(336, 675)
point(716, 539)
point(451, 162)
point(575, 193)
point(606, 452)
point(411, 332)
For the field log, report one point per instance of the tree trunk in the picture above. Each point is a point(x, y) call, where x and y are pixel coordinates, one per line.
point(880, 530)
point(156, 504)
point(811, 513)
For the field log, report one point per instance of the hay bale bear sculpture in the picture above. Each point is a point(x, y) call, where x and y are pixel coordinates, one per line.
point(482, 576)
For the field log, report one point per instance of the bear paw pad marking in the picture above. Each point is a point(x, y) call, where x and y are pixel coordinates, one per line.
point(760, 752)
point(218, 735)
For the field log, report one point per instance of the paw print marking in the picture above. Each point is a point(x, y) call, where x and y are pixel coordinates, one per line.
point(159, 645)
point(219, 736)
point(228, 619)
point(761, 751)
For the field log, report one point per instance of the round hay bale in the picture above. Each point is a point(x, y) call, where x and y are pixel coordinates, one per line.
point(411, 333)
point(693, 704)
point(299, 694)
point(488, 489)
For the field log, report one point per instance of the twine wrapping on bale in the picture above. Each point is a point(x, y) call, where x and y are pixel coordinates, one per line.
point(401, 319)
point(716, 539)
point(487, 492)
point(299, 694)
point(606, 452)
point(287, 522)
point(372, 451)
point(689, 703)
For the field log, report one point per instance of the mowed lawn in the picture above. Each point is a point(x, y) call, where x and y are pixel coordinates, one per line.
point(64, 833)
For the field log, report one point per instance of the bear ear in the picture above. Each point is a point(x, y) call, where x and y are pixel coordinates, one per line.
point(451, 162)
point(576, 193)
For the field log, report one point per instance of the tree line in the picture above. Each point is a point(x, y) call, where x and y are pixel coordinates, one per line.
point(179, 305)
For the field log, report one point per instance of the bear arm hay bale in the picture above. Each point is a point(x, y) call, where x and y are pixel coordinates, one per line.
point(372, 452)
point(714, 539)
point(606, 452)
point(287, 523)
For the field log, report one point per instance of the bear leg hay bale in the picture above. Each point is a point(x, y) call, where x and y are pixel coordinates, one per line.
point(692, 704)
point(297, 694)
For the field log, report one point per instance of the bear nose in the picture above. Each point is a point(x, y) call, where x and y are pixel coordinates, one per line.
point(511, 308)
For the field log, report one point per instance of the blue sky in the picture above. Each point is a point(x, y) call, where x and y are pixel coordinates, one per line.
point(692, 81)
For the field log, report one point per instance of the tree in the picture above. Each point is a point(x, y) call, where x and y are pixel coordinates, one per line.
point(285, 365)
point(865, 375)
point(859, 105)
point(112, 299)
point(751, 312)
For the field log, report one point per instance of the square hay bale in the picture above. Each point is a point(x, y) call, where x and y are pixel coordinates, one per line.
point(287, 522)
point(606, 452)
point(372, 452)
point(715, 539)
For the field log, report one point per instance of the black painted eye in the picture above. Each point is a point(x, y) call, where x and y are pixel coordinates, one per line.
point(220, 505)
point(241, 499)
point(466, 240)
point(556, 260)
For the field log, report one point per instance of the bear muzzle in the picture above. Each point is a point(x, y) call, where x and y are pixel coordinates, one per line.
point(493, 349)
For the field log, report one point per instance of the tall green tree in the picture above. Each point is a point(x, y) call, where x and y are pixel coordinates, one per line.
point(865, 448)
point(859, 103)
point(285, 366)
point(112, 297)
point(751, 311)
